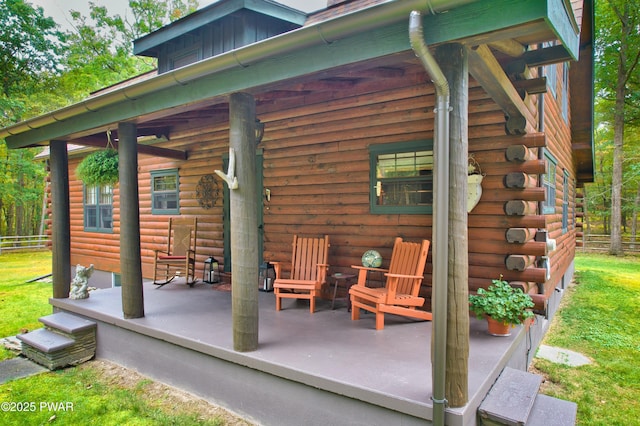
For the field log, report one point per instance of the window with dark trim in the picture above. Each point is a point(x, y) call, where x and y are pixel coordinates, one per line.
point(165, 192)
point(565, 201)
point(98, 208)
point(401, 177)
point(551, 72)
point(549, 183)
point(565, 92)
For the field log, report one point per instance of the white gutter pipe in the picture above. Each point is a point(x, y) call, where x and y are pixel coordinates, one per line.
point(440, 216)
point(324, 32)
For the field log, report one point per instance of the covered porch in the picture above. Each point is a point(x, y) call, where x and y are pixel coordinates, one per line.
point(319, 369)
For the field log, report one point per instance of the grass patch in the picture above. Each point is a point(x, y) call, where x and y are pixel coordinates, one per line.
point(22, 303)
point(598, 318)
point(96, 392)
point(83, 395)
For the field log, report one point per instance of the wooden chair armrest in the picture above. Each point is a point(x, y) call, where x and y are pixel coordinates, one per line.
point(404, 276)
point(277, 268)
point(360, 267)
point(157, 253)
point(322, 271)
point(362, 273)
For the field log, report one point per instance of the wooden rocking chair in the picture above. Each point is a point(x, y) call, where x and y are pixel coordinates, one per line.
point(400, 294)
point(308, 271)
point(180, 255)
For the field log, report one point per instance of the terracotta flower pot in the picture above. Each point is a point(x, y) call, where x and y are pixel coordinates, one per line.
point(497, 328)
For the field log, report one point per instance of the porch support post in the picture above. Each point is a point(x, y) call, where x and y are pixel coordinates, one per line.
point(61, 229)
point(244, 223)
point(130, 262)
point(454, 64)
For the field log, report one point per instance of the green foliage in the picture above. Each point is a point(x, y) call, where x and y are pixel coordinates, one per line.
point(29, 44)
point(598, 318)
point(617, 113)
point(503, 303)
point(43, 69)
point(617, 50)
point(21, 191)
point(22, 303)
point(99, 168)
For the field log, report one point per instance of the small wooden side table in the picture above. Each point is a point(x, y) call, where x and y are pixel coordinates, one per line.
point(345, 278)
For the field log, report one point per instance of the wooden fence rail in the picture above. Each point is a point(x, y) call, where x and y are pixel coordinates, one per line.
point(24, 242)
point(602, 243)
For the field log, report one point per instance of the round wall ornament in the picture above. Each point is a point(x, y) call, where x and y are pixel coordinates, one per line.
point(207, 191)
point(371, 259)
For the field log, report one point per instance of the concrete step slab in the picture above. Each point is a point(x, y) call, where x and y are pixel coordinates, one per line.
point(511, 398)
point(549, 411)
point(67, 323)
point(45, 341)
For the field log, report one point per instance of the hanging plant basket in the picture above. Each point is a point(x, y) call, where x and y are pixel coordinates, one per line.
point(99, 168)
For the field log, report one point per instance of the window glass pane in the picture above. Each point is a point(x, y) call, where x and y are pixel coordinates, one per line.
point(165, 201)
point(549, 183)
point(165, 183)
point(90, 217)
point(399, 192)
point(404, 164)
point(106, 195)
point(91, 195)
point(402, 181)
point(105, 217)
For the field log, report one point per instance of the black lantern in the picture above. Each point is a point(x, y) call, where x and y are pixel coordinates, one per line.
point(210, 273)
point(266, 277)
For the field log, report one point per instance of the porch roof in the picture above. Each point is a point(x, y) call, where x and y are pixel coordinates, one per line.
point(371, 32)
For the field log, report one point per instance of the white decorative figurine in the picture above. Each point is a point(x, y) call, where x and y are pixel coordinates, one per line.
point(80, 283)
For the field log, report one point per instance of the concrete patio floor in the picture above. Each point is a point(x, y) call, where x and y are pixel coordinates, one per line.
point(186, 340)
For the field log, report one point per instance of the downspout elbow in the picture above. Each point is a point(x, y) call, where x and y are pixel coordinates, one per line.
point(416, 37)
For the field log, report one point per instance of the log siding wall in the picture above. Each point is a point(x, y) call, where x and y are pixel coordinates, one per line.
point(316, 165)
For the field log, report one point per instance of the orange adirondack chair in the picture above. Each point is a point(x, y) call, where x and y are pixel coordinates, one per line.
point(180, 255)
point(308, 271)
point(400, 294)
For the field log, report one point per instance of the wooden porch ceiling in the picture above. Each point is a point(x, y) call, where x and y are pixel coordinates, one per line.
point(493, 69)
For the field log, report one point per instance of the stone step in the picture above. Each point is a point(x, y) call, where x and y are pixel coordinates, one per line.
point(549, 411)
point(46, 341)
point(65, 340)
point(511, 399)
point(67, 323)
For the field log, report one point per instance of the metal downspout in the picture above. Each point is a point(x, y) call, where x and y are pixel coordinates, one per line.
point(440, 215)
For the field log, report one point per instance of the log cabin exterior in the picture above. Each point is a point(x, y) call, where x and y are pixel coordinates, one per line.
point(316, 157)
point(336, 107)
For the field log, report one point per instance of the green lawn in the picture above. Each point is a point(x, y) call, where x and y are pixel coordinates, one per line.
point(88, 394)
point(599, 318)
point(22, 303)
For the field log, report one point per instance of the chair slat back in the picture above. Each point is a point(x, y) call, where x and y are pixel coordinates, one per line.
point(410, 259)
point(307, 254)
point(182, 236)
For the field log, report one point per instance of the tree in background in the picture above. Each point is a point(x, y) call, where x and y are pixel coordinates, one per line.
point(100, 46)
point(30, 47)
point(30, 50)
point(617, 84)
point(43, 69)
